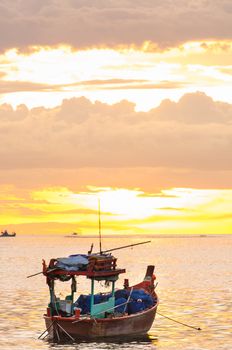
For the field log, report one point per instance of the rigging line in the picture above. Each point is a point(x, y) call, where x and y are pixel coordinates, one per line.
point(128, 299)
point(184, 324)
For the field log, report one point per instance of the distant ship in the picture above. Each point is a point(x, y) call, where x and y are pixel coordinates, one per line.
point(74, 234)
point(5, 233)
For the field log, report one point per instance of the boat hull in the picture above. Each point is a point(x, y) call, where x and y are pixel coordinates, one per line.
point(6, 234)
point(126, 326)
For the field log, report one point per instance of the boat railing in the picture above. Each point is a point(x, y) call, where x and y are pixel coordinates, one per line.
point(102, 263)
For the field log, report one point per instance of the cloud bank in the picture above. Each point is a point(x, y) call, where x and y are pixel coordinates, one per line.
point(194, 133)
point(87, 23)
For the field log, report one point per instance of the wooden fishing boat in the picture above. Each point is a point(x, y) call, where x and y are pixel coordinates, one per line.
point(5, 233)
point(126, 312)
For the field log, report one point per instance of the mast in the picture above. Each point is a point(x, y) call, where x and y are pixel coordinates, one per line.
point(99, 225)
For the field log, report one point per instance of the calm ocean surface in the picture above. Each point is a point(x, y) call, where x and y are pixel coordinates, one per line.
point(195, 287)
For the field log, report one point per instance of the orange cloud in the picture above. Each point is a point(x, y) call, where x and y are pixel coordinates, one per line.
point(80, 134)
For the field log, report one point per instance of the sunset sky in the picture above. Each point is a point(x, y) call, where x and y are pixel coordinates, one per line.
point(129, 102)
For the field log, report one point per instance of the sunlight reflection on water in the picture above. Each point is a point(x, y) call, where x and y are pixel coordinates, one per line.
point(194, 287)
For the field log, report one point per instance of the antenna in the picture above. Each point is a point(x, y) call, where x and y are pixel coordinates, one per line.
point(99, 225)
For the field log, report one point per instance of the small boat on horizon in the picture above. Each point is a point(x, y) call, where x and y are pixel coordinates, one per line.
point(126, 312)
point(5, 233)
point(74, 235)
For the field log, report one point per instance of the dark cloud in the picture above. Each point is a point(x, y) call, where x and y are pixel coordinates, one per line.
point(103, 22)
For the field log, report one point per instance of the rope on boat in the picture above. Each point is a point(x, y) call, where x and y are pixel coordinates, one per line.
point(184, 324)
point(128, 299)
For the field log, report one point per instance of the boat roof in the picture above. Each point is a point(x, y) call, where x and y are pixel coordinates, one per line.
point(91, 274)
point(99, 266)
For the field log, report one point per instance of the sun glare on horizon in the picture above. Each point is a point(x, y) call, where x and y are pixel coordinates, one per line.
point(177, 210)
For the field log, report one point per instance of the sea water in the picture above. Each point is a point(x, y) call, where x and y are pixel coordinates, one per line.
point(194, 275)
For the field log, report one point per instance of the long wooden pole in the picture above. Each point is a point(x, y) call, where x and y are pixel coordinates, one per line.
point(46, 330)
point(99, 225)
point(125, 246)
point(39, 273)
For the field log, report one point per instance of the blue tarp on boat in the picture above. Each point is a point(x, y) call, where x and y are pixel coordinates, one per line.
point(139, 300)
